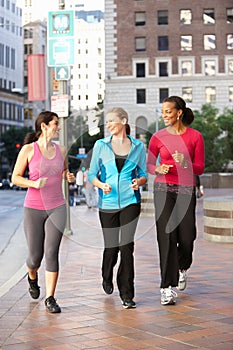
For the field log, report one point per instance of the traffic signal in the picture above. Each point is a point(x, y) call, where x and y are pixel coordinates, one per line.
point(17, 145)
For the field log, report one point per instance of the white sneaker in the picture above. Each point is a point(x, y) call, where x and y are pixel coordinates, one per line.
point(168, 296)
point(182, 280)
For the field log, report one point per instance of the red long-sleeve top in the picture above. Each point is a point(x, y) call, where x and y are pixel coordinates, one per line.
point(163, 145)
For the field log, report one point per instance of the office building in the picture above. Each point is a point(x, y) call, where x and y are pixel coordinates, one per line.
point(156, 48)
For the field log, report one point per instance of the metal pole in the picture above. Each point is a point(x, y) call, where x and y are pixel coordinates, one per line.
point(64, 142)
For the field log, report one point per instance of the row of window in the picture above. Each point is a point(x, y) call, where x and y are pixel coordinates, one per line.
point(7, 56)
point(208, 17)
point(186, 67)
point(186, 42)
point(10, 111)
point(14, 9)
point(187, 94)
point(10, 26)
point(9, 85)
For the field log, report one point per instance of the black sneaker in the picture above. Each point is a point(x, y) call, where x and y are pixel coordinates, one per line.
point(52, 306)
point(34, 289)
point(107, 287)
point(128, 304)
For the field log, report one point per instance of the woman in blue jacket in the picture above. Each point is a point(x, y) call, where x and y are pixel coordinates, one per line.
point(118, 169)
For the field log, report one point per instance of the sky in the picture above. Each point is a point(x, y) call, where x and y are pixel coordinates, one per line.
point(52, 5)
point(88, 5)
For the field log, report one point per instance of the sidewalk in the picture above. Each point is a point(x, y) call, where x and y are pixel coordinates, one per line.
point(90, 319)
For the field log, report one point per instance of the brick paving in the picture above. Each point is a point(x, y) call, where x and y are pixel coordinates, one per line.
point(90, 319)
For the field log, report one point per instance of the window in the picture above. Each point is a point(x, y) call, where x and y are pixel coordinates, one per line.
point(230, 15)
point(186, 42)
point(140, 44)
point(210, 67)
point(230, 67)
point(185, 17)
point(7, 24)
point(186, 68)
point(141, 95)
point(163, 69)
point(140, 18)
point(210, 94)
point(162, 17)
point(163, 43)
point(231, 94)
point(209, 42)
point(12, 58)
point(7, 57)
point(187, 94)
point(1, 54)
point(230, 41)
point(208, 16)
point(163, 93)
point(140, 70)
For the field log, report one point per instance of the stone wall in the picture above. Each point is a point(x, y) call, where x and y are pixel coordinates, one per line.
point(217, 180)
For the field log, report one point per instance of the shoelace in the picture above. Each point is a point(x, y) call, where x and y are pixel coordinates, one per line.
point(169, 292)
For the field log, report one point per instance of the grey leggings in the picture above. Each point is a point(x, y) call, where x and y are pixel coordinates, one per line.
point(43, 231)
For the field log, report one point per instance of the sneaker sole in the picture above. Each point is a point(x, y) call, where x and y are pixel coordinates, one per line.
point(129, 307)
point(170, 302)
point(182, 287)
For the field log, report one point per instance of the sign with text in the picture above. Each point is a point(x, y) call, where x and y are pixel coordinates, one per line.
point(60, 104)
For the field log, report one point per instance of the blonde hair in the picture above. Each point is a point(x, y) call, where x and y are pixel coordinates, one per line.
point(122, 114)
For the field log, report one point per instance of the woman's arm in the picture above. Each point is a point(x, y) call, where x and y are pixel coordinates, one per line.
point(21, 164)
point(66, 175)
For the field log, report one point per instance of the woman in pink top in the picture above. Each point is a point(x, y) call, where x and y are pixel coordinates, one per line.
point(181, 156)
point(44, 206)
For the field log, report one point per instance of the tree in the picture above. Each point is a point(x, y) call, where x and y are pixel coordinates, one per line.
point(225, 122)
point(13, 141)
point(79, 137)
point(206, 122)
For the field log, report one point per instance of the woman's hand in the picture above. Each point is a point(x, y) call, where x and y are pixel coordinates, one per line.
point(179, 158)
point(163, 169)
point(106, 188)
point(40, 183)
point(70, 177)
point(135, 185)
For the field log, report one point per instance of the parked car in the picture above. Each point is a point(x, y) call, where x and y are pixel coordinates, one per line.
point(5, 184)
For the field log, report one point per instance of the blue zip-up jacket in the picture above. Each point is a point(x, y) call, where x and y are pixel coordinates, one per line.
point(103, 166)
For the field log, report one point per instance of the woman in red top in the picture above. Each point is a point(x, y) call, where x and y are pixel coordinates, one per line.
point(180, 150)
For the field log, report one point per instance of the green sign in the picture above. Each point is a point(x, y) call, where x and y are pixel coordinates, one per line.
point(62, 73)
point(60, 39)
point(60, 23)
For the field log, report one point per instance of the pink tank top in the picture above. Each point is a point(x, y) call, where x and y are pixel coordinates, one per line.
point(50, 196)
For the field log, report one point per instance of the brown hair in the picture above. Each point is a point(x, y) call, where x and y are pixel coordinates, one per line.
point(122, 114)
point(43, 117)
point(187, 116)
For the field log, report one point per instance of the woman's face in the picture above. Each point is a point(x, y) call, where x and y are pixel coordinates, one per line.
point(53, 128)
point(170, 113)
point(114, 124)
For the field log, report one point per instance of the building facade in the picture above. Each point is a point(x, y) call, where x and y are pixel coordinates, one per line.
point(11, 62)
point(35, 41)
point(156, 48)
point(88, 73)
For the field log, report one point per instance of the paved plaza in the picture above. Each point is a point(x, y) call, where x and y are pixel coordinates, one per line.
point(201, 319)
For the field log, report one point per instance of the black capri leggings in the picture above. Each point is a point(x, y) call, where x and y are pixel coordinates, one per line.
point(43, 231)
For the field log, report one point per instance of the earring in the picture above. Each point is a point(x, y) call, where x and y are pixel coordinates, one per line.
point(178, 118)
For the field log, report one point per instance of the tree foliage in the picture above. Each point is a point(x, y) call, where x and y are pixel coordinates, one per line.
point(13, 140)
